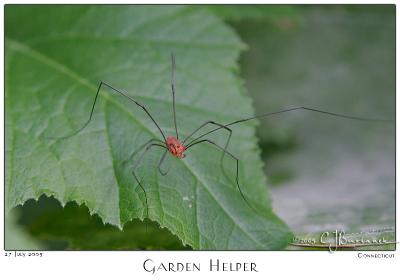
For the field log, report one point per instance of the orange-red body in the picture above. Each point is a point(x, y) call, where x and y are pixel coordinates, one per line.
point(175, 147)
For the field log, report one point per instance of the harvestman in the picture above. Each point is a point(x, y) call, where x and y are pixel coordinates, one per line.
point(177, 147)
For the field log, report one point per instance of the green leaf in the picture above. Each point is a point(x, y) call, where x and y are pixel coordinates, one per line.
point(55, 58)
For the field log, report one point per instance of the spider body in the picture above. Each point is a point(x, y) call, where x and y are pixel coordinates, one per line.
point(175, 147)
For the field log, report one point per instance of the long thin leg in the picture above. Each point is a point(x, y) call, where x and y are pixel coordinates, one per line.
point(216, 124)
point(173, 91)
point(94, 103)
point(163, 158)
point(161, 162)
point(141, 147)
point(295, 109)
point(203, 125)
point(145, 194)
point(145, 148)
point(237, 167)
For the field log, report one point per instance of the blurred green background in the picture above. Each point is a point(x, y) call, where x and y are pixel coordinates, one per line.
point(325, 173)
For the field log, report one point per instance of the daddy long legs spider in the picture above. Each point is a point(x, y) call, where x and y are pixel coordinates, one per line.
point(178, 147)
